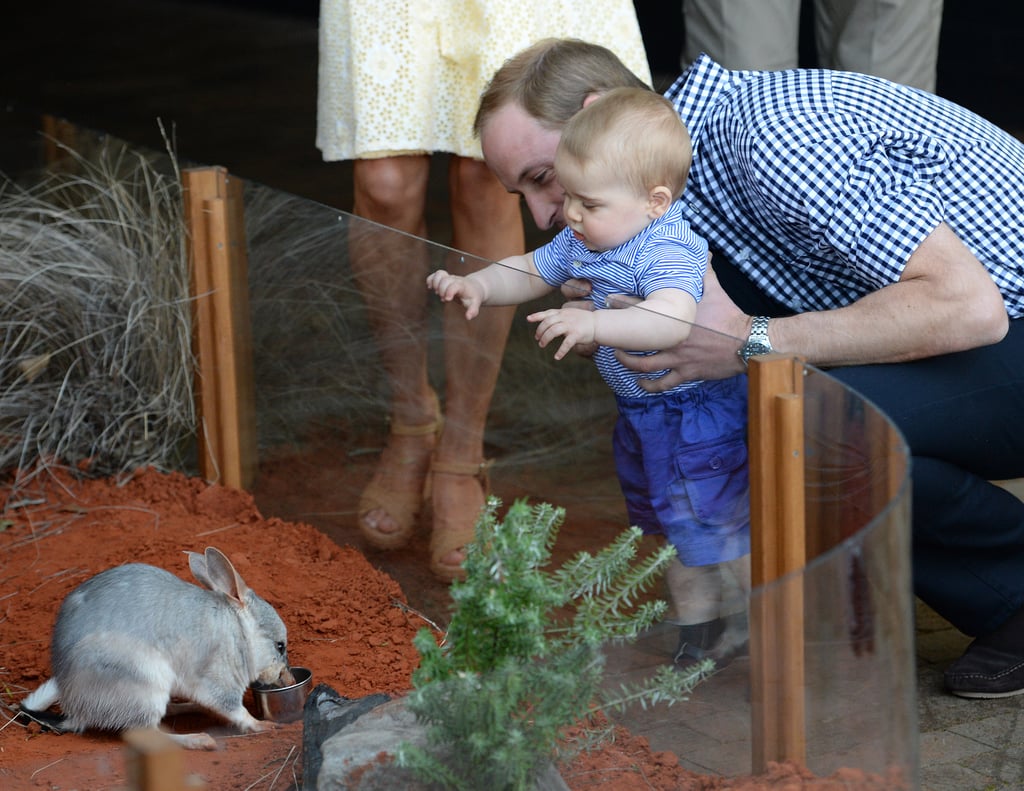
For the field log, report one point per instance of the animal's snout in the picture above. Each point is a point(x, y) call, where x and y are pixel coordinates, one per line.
point(276, 675)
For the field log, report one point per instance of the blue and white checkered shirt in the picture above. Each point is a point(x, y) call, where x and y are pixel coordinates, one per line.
point(665, 254)
point(820, 184)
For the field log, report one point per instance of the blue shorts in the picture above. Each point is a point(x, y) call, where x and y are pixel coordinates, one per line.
point(682, 465)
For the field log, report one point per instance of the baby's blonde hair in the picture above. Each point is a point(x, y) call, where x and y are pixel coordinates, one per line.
point(634, 132)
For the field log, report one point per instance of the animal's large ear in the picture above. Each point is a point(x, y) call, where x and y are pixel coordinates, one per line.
point(213, 570)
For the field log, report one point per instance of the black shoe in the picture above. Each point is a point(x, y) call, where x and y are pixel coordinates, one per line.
point(993, 665)
point(986, 672)
point(720, 640)
point(696, 641)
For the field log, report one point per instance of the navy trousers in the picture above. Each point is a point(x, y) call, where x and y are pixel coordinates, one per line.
point(962, 416)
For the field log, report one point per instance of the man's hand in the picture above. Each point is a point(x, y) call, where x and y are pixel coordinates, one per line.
point(576, 290)
point(573, 326)
point(449, 287)
point(708, 353)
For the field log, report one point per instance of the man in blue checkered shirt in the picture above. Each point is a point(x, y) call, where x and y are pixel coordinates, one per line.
point(873, 229)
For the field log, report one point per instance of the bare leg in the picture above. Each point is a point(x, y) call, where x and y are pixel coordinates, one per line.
point(702, 593)
point(390, 270)
point(487, 222)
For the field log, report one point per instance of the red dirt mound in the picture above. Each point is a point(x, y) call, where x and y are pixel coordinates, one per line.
point(347, 621)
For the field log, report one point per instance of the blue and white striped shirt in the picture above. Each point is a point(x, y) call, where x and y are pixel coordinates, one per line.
point(819, 185)
point(665, 254)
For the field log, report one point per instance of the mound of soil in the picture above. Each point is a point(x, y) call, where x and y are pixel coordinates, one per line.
point(348, 622)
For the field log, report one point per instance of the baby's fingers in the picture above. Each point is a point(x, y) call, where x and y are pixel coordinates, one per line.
point(546, 327)
point(437, 279)
point(552, 328)
point(450, 290)
point(568, 344)
point(540, 315)
point(550, 333)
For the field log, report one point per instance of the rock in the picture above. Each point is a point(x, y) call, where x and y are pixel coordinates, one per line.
point(324, 714)
point(356, 739)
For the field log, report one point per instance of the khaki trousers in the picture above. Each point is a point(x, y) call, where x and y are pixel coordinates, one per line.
point(895, 39)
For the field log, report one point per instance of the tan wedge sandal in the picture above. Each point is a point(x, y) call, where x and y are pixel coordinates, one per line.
point(452, 530)
point(398, 484)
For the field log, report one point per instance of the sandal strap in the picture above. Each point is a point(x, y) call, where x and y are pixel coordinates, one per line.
point(477, 470)
point(422, 430)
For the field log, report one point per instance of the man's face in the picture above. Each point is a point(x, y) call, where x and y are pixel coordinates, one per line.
point(521, 153)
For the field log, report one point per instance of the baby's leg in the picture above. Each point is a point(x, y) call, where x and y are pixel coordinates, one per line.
point(695, 593)
point(709, 605)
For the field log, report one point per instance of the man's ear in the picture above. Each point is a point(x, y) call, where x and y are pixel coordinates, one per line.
point(659, 199)
point(590, 97)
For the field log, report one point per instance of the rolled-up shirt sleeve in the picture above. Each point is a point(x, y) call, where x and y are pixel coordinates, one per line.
point(865, 201)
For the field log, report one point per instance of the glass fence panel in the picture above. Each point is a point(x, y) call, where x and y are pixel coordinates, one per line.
point(549, 430)
point(851, 659)
point(343, 324)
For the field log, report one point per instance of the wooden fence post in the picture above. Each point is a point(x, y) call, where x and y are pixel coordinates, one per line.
point(225, 393)
point(153, 762)
point(778, 547)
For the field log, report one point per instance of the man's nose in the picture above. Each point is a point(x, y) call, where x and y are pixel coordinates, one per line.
point(546, 215)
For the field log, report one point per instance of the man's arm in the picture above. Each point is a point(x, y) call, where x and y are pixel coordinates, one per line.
point(944, 302)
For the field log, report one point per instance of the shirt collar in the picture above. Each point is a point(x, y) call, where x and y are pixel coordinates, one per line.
point(698, 88)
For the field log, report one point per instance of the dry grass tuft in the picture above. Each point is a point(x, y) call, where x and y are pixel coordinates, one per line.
point(95, 361)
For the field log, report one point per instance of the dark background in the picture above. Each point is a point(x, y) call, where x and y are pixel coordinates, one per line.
point(236, 79)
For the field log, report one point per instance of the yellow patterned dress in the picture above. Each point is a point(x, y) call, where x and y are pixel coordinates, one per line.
point(405, 76)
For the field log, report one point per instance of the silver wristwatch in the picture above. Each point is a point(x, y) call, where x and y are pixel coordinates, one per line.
point(757, 342)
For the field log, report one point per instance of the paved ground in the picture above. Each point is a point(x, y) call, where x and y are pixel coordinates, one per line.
point(238, 88)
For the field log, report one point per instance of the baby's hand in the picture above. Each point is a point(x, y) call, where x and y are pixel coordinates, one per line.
point(573, 326)
point(449, 287)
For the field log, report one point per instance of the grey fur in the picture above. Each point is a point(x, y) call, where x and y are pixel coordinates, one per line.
point(133, 637)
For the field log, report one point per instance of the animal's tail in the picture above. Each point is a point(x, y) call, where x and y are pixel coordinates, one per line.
point(34, 707)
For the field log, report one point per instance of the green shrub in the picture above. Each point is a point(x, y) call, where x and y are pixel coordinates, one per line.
point(522, 658)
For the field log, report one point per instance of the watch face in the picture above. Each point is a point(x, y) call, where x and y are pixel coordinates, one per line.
point(752, 349)
point(758, 342)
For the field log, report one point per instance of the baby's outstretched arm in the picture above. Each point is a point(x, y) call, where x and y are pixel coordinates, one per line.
point(512, 281)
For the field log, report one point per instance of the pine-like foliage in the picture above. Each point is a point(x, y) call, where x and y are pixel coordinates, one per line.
point(522, 658)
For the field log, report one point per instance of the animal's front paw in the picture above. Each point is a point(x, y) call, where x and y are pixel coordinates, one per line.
point(246, 723)
point(197, 741)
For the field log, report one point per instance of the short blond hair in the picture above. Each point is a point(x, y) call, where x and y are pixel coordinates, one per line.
point(635, 132)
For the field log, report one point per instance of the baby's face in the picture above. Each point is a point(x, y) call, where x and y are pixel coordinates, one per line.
point(602, 210)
